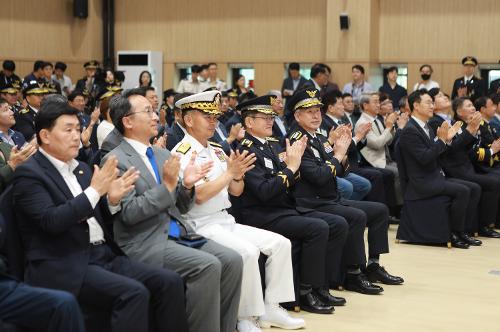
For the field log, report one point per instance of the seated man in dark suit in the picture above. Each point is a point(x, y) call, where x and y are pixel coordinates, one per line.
point(60, 210)
point(33, 307)
point(317, 189)
point(457, 163)
point(420, 150)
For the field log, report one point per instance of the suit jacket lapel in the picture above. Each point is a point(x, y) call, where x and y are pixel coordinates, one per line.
point(422, 132)
point(137, 162)
point(54, 174)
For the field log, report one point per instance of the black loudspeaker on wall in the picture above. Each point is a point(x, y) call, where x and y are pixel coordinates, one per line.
point(344, 22)
point(80, 8)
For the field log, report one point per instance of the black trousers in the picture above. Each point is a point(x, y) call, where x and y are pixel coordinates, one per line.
point(358, 215)
point(39, 309)
point(490, 195)
point(376, 178)
point(320, 237)
point(390, 191)
point(471, 215)
point(129, 288)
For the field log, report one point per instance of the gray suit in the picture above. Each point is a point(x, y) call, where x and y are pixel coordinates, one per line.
point(212, 274)
point(111, 141)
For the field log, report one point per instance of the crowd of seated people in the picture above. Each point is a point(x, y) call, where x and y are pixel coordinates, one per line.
point(219, 208)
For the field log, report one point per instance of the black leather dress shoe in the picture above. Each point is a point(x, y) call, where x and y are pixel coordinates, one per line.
point(457, 242)
point(489, 232)
point(327, 298)
point(360, 284)
point(470, 240)
point(393, 220)
point(312, 303)
point(377, 273)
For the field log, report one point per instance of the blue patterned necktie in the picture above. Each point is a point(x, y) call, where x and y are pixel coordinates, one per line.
point(174, 230)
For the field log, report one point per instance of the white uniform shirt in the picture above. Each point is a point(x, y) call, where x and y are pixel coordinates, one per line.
point(187, 85)
point(214, 210)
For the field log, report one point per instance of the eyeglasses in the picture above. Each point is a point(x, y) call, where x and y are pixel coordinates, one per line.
point(265, 118)
point(148, 110)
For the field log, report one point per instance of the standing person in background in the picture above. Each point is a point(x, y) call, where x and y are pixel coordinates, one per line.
point(426, 82)
point(240, 84)
point(145, 79)
point(293, 82)
point(213, 81)
point(63, 80)
point(192, 84)
point(358, 86)
point(469, 85)
point(7, 75)
point(392, 88)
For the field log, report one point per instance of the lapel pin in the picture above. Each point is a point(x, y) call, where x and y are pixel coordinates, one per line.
point(80, 172)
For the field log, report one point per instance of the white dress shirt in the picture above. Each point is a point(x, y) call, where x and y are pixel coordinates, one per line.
point(141, 148)
point(103, 130)
point(66, 170)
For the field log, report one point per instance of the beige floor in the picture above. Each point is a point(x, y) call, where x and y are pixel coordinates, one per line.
point(444, 290)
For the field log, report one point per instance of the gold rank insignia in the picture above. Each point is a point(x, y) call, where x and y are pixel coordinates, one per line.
point(311, 93)
point(284, 178)
point(481, 154)
point(24, 111)
point(183, 148)
point(214, 144)
point(246, 142)
point(332, 167)
point(296, 135)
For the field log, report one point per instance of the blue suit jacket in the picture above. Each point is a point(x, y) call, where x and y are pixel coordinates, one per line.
point(53, 224)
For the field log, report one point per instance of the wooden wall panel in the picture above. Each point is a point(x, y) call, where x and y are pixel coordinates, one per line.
point(47, 30)
point(442, 31)
point(268, 76)
point(223, 31)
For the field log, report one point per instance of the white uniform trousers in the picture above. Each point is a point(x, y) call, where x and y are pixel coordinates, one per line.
point(249, 242)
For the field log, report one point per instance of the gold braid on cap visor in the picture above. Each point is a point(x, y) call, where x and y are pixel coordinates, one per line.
point(306, 103)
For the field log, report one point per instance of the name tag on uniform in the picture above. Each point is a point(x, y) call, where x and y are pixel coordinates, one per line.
point(268, 163)
point(328, 147)
point(316, 153)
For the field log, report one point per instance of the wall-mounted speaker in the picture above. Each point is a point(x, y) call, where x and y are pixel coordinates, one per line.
point(80, 8)
point(344, 22)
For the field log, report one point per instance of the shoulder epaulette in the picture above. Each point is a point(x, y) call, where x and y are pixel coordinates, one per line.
point(246, 142)
point(183, 148)
point(271, 139)
point(296, 135)
point(24, 111)
point(214, 144)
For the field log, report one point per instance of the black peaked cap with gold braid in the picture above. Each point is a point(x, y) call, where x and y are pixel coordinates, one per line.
point(262, 104)
point(304, 98)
